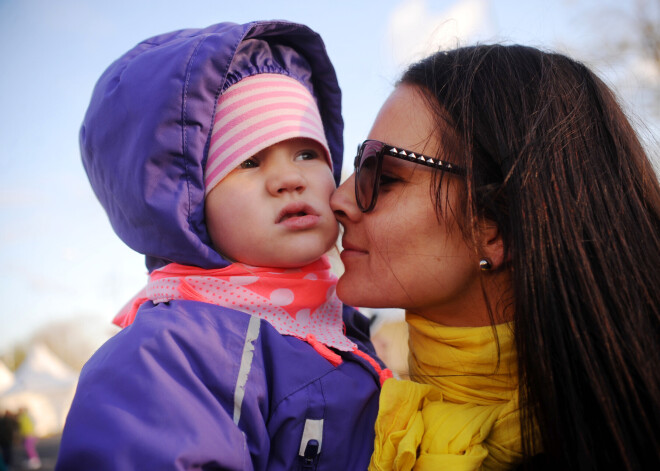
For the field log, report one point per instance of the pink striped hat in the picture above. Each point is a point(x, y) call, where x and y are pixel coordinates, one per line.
point(256, 113)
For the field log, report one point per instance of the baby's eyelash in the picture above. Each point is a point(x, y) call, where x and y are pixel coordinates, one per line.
point(250, 163)
point(310, 154)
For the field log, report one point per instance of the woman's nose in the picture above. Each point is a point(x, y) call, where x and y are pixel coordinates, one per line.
point(343, 201)
point(284, 178)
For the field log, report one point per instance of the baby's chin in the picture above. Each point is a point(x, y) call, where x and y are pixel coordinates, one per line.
point(299, 260)
point(298, 254)
point(287, 264)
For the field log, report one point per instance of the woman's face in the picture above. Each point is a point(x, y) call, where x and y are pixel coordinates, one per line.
point(400, 255)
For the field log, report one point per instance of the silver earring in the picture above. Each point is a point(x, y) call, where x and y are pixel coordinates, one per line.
point(485, 264)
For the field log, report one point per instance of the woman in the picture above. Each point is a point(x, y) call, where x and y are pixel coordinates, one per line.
point(505, 202)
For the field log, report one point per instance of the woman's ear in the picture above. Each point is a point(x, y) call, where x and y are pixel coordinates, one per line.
point(490, 243)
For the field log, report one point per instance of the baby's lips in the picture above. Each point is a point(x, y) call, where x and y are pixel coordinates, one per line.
point(298, 208)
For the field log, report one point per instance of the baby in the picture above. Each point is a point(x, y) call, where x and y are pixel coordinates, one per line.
point(215, 153)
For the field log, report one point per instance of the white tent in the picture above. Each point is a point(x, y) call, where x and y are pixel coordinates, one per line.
point(45, 387)
point(6, 378)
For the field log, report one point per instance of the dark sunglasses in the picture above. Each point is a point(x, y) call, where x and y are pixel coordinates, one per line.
point(369, 165)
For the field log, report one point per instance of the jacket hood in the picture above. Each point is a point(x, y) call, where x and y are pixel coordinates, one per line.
point(145, 137)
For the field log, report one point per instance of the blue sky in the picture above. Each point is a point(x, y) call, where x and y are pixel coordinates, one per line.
point(59, 255)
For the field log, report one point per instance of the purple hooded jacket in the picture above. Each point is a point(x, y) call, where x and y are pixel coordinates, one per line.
point(161, 394)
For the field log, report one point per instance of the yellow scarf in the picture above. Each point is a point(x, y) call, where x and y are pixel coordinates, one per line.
point(462, 413)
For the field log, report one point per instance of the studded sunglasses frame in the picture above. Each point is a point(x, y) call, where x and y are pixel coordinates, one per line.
point(392, 151)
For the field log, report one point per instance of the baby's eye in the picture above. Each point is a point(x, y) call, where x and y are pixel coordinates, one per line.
point(249, 163)
point(307, 155)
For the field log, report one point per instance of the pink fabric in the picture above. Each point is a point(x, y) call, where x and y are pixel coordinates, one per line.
point(257, 112)
point(383, 373)
point(30, 446)
point(300, 302)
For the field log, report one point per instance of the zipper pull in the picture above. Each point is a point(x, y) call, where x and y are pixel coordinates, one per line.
point(311, 443)
point(311, 452)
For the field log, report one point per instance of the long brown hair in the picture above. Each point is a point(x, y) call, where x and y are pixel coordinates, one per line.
point(553, 160)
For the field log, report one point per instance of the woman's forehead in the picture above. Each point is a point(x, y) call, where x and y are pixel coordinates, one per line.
point(405, 121)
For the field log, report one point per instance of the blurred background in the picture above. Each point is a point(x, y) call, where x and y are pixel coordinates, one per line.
point(66, 273)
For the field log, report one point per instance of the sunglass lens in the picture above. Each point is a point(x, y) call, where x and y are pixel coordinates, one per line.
point(367, 175)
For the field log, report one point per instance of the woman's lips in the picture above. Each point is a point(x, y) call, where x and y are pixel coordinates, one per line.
point(350, 250)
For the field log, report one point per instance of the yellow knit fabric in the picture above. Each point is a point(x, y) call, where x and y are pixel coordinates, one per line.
point(461, 413)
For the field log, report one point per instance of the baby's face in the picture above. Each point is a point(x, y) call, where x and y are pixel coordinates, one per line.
point(274, 210)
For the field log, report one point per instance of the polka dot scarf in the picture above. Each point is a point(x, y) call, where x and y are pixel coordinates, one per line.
point(300, 302)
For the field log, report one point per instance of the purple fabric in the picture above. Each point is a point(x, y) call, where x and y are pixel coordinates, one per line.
point(160, 394)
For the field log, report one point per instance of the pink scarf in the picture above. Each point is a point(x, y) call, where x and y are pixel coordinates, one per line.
point(300, 302)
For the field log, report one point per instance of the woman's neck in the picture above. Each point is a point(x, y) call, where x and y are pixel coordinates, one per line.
point(492, 304)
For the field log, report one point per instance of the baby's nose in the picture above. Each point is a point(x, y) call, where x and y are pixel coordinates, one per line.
point(286, 178)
